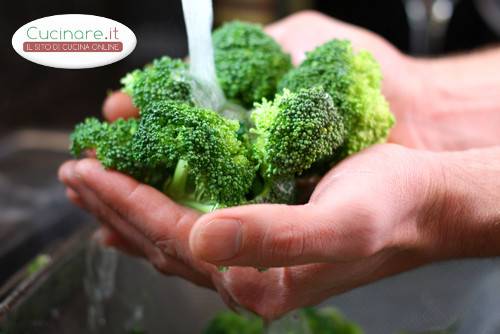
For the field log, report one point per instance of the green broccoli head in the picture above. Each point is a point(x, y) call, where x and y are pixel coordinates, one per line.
point(233, 323)
point(164, 79)
point(326, 320)
point(354, 82)
point(86, 136)
point(211, 165)
point(112, 143)
point(249, 63)
point(295, 130)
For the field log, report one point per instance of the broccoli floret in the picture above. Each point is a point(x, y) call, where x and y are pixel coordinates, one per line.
point(210, 167)
point(326, 320)
point(249, 63)
point(354, 82)
point(112, 143)
point(87, 135)
point(233, 323)
point(294, 131)
point(164, 79)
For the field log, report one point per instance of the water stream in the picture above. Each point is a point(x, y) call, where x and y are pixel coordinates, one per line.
point(99, 282)
point(206, 92)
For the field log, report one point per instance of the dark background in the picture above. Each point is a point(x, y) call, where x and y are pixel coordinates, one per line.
point(36, 96)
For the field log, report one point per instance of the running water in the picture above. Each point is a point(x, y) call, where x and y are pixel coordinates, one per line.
point(198, 15)
point(99, 282)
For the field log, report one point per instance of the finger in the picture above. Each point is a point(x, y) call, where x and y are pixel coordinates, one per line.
point(119, 105)
point(111, 238)
point(74, 197)
point(279, 235)
point(162, 221)
point(311, 284)
point(161, 261)
point(68, 175)
point(267, 235)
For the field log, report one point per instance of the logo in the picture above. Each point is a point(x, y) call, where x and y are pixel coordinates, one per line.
point(74, 41)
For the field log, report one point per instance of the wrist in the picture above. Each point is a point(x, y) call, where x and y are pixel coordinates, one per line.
point(464, 220)
point(452, 93)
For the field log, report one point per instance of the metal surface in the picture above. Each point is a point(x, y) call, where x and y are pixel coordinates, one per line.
point(33, 209)
point(141, 300)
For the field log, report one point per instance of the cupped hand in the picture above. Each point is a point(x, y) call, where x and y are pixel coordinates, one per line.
point(346, 236)
point(372, 216)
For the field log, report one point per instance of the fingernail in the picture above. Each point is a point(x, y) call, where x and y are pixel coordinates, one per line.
point(219, 240)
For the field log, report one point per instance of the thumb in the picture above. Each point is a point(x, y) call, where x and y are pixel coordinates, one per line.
point(264, 235)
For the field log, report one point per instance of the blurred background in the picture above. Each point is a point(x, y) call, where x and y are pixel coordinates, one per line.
point(40, 105)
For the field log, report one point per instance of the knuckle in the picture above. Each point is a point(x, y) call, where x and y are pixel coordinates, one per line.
point(167, 246)
point(361, 232)
point(283, 241)
point(160, 262)
point(170, 238)
point(366, 229)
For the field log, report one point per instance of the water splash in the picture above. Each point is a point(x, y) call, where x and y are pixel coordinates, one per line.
point(206, 92)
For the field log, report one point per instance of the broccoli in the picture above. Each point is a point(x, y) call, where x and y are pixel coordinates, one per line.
point(211, 167)
point(294, 131)
point(233, 323)
point(326, 320)
point(192, 154)
point(353, 80)
point(164, 79)
point(327, 108)
point(248, 62)
point(112, 143)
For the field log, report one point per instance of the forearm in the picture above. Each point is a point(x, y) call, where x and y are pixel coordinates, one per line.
point(461, 96)
point(466, 211)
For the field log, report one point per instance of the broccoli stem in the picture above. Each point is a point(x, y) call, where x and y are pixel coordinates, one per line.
point(176, 189)
point(177, 186)
point(202, 207)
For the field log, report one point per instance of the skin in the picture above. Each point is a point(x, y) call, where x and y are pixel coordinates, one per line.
point(385, 210)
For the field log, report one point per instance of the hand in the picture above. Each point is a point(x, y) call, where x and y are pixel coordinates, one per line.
point(410, 209)
point(344, 237)
point(383, 211)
